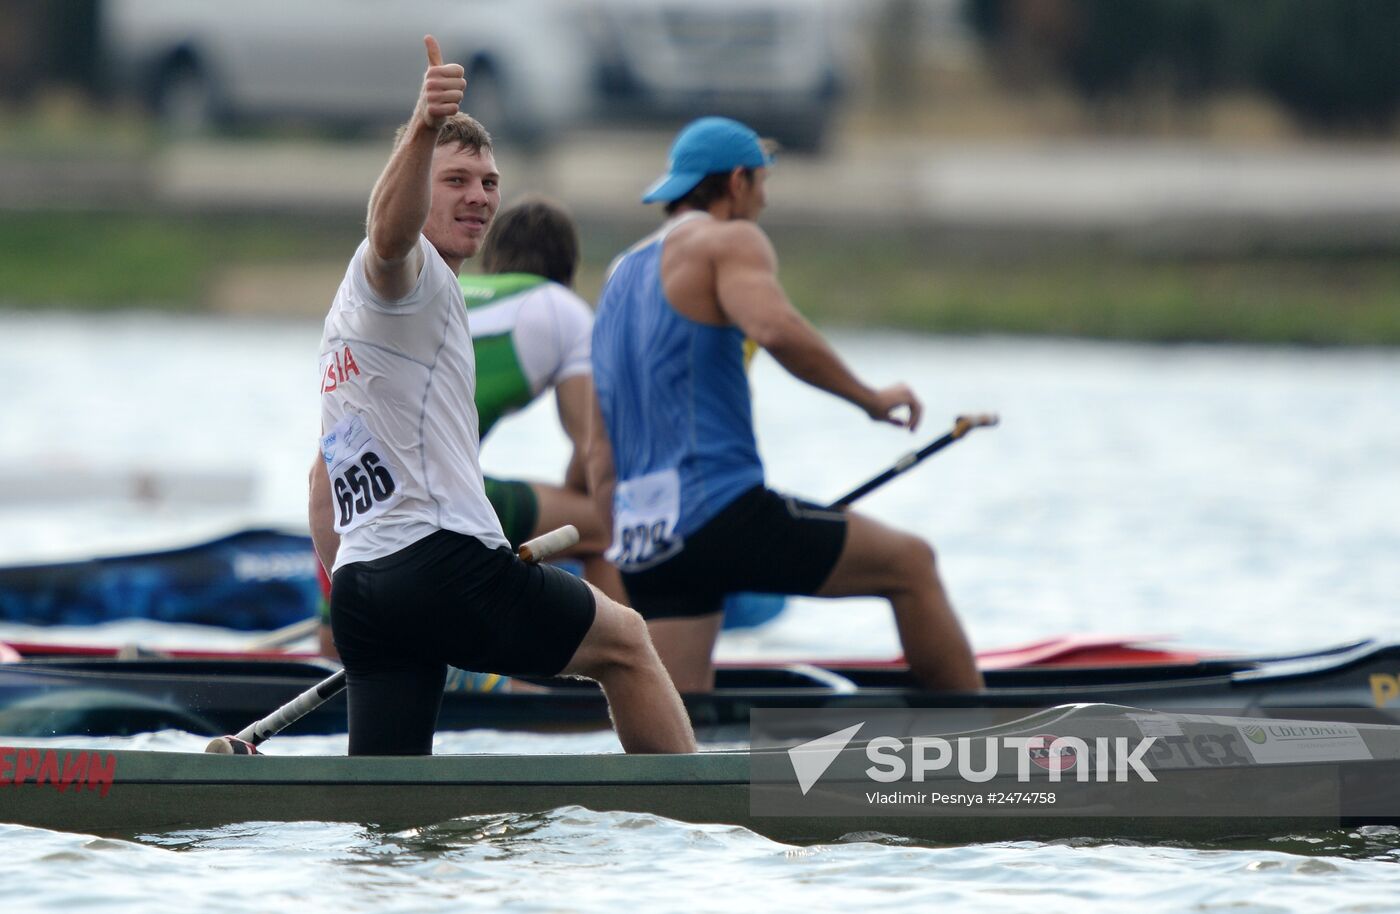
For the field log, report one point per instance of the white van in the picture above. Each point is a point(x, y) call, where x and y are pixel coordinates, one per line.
point(535, 67)
point(774, 64)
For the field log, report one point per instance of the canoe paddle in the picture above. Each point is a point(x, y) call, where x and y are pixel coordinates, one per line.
point(247, 740)
point(961, 426)
point(275, 640)
point(286, 635)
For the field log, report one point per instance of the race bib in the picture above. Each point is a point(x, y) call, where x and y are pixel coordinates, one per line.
point(363, 481)
point(645, 513)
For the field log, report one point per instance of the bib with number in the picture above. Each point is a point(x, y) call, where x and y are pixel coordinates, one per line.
point(363, 481)
point(645, 512)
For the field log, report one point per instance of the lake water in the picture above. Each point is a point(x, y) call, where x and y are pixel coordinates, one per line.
point(1233, 498)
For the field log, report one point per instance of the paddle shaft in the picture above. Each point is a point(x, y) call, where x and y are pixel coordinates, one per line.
point(961, 427)
point(285, 635)
point(259, 732)
point(272, 641)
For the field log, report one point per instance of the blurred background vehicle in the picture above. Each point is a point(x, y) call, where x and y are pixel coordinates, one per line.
point(201, 66)
point(775, 64)
point(536, 67)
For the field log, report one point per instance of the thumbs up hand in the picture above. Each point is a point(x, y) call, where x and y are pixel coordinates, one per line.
point(443, 88)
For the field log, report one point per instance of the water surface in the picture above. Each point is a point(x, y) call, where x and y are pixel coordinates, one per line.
point(1232, 498)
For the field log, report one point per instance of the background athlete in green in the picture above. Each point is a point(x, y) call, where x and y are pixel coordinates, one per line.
point(533, 333)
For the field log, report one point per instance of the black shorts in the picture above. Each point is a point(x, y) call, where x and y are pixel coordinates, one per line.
point(761, 542)
point(447, 599)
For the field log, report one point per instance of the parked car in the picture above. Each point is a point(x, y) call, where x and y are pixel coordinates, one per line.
point(535, 67)
point(775, 64)
point(200, 64)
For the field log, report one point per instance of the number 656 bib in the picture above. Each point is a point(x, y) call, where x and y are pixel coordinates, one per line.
point(363, 481)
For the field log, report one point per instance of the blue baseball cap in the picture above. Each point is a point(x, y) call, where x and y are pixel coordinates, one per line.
point(710, 145)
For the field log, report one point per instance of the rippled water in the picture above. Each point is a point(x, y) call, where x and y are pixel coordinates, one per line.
point(572, 859)
point(1231, 497)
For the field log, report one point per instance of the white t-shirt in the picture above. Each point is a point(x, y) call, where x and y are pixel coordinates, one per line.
point(397, 414)
point(550, 327)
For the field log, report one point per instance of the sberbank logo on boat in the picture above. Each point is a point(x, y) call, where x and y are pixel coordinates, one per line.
point(1255, 734)
point(1259, 734)
point(1108, 759)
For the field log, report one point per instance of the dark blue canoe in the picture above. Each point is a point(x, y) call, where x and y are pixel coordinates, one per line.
point(252, 580)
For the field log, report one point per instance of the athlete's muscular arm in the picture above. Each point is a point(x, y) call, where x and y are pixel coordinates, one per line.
point(602, 474)
point(398, 205)
point(320, 513)
point(749, 294)
point(574, 398)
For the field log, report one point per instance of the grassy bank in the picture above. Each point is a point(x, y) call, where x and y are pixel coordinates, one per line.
point(1322, 300)
point(107, 261)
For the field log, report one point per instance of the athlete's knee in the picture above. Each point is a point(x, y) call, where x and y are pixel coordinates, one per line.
point(921, 554)
point(631, 627)
point(914, 561)
point(619, 640)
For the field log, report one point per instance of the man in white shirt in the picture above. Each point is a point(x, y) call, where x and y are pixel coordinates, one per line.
point(422, 574)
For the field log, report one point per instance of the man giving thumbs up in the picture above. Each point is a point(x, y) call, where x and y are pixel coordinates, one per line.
point(423, 576)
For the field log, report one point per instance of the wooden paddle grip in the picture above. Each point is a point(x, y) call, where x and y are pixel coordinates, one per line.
point(547, 544)
point(231, 745)
point(965, 424)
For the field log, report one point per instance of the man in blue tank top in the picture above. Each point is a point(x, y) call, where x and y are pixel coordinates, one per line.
point(679, 468)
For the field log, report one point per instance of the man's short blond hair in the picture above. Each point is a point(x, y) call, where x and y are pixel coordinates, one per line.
point(462, 129)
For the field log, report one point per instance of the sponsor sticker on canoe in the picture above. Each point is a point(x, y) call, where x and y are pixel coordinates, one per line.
point(1076, 760)
point(1274, 741)
point(62, 770)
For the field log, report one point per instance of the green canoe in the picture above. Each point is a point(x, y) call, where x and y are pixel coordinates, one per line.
point(1211, 777)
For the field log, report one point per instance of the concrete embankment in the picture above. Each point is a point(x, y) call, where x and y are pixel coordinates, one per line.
point(1149, 197)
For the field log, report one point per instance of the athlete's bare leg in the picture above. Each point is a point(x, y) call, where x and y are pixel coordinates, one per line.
point(685, 646)
point(558, 506)
point(880, 561)
point(646, 711)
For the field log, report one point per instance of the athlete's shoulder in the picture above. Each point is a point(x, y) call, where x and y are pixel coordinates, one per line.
point(727, 235)
point(738, 229)
point(741, 241)
point(562, 299)
point(556, 311)
point(550, 304)
point(715, 238)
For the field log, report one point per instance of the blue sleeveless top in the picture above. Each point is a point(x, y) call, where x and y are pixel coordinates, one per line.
point(675, 400)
